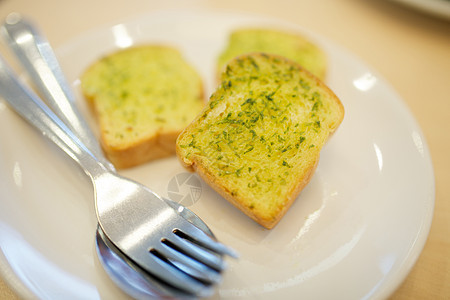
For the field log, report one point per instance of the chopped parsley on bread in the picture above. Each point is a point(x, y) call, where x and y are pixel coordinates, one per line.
point(143, 97)
point(279, 42)
point(258, 141)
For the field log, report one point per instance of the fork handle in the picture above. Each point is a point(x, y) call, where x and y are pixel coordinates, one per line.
point(27, 104)
point(38, 58)
point(36, 55)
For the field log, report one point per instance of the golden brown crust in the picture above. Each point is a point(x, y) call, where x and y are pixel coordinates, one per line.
point(155, 146)
point(268, 223)
point(159, 146)
point(212, 181)
point(261, 39)
point(267, 217)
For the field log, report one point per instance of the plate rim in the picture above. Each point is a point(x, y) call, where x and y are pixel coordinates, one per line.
point(20, 288)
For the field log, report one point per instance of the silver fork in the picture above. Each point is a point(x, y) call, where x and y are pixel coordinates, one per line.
point(136, 221)
point(36, 55)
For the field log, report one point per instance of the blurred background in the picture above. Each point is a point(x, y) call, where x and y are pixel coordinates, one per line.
point(406, 44)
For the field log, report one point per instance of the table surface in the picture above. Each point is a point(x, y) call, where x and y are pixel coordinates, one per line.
point(409, 48)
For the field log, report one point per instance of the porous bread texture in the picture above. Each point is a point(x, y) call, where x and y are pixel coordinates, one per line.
point(142, 97)
point(275, 41)
point(258, 141)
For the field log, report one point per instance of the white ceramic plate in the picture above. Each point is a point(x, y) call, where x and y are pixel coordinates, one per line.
point(353, 233)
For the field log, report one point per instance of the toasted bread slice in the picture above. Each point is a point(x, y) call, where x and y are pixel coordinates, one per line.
point(143, 97)
point(258, 141)
point(291, 45)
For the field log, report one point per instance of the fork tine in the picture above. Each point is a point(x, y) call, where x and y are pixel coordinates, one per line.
point(162, 269)
point(149, 285)
point(197, 236)
point(188, 264)
point(198, 252)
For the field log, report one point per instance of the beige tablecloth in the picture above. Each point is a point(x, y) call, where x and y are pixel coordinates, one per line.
point(408, 48)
